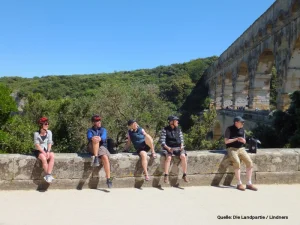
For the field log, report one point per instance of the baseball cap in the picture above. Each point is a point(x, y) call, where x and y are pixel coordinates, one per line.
point(238, 119)
point(43, 120)
point(96, 118)
point(130, 122)
point(171, 118)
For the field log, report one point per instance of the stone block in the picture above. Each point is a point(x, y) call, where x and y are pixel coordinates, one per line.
point(298, 152)
point(125, 165)
point(7, 166)
point(27, 167)
point(274, 160)
point(18, 185)
point(64, 166)
point(129, 165)
point(82, 167)
point(278, 177)
point(207, 162)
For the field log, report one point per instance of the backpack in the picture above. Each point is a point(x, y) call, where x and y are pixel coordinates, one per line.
point(111, 146)
point(253, 145)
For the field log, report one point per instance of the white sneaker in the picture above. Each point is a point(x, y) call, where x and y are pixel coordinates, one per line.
point(51, 178)
point(46, 178)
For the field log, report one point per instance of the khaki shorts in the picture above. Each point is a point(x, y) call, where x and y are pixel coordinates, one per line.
point(238, 154)
point(102, 150)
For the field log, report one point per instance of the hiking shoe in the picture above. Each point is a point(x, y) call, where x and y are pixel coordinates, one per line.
point(109, 182)
point(251, 187)
point(240, 187)
point(147, 178)
point(96, 161)
point(92, 160)
point(185, 178)
point(48, 179)
point(166, 180)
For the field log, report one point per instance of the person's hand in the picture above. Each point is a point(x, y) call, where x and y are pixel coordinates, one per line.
point(96, 138)
point(45, 154)
point(240, 139)
point(48, 155)
point(170, 150)
point(153, 154)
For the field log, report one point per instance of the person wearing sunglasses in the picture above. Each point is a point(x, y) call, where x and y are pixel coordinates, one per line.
point(235, 140)
point(142, 143)
point(172, 144)
point(97, 146)
point(43, 143)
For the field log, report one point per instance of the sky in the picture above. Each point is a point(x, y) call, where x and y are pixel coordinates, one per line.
point(65, 37)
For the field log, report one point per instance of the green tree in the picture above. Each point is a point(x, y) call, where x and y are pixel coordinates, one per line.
point(118, 102)
point(197, 138)
point(178, 89)
point(196, 68)
point(72, 121)
point(285, 128)
point(17, 135)
point(7, 104)
point(273, 88)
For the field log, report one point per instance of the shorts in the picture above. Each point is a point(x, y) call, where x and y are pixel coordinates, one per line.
point(102, 150)
point(144, 147)
point(238, 154)
point(176, 152)
point(37, 153)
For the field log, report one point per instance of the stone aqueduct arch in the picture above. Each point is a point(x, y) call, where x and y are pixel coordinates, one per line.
point(228, 89)
point(219, 91)
point(260, 93)
point(241, 86)
point(241, 76)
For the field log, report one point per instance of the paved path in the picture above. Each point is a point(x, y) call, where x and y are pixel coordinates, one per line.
point(151, 206)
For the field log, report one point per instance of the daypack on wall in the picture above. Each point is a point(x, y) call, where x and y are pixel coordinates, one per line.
point(253, 145)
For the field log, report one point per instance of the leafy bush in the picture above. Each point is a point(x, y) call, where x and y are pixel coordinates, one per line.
point(197, 137)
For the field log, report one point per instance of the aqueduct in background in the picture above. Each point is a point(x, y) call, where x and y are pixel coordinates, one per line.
point(241, 76)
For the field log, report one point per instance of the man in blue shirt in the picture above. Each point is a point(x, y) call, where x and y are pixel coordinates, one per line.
point(97, 137)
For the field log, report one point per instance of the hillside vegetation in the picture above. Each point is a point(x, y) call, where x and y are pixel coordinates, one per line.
point(147, 95)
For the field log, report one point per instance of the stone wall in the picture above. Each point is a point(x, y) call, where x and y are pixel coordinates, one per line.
point(73, 171)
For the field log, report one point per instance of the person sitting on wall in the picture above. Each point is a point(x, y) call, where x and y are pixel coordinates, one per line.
point(97, 137)
point(172, 142)
point(235, 140)
point(43, 143)
point(142, 143)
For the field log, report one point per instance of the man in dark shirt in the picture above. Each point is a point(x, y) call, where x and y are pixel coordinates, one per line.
point(235, 140)
point(142, 142)
point(171, 140)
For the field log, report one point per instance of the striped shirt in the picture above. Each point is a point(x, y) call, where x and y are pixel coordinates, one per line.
point(171, 137)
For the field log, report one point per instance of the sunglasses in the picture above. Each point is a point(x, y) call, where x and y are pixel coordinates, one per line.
point(45, 123)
